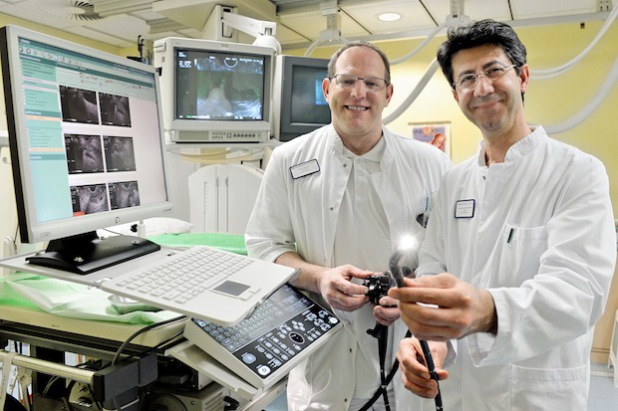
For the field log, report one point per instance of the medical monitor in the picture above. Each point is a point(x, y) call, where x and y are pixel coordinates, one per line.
point(299, 103)
point(215, 91)
point(86, 146)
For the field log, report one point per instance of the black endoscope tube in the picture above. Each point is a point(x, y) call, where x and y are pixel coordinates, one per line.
point(432, 372)
point(397, 274)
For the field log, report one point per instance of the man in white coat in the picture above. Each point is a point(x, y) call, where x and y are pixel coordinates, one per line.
point(519, 251)
point(335, 203)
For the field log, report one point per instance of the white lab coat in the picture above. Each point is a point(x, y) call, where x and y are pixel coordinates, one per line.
point(304, 212)
point(542, 241)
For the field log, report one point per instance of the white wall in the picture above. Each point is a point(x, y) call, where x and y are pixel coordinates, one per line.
point(8, 211)
point(178, 171)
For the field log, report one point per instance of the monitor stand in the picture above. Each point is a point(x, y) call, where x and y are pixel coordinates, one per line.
point(85, 253)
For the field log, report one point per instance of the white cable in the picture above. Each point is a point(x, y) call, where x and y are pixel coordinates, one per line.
point(553, 72)
point(319, 41)
point(594, 103)
point(312, 47)
point(414, 94)
point(24, 376)
point(6, 372)
point(420, 46)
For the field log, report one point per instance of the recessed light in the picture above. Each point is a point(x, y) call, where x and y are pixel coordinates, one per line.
point(389, 16)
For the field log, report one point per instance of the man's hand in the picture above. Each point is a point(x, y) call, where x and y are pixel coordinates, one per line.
point(449, 307)
point(334, 284)
point(414, 372)
point(387, 312)
point(339, 291)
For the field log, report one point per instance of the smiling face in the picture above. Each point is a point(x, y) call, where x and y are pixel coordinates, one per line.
point(496, 107)
point(357, 111)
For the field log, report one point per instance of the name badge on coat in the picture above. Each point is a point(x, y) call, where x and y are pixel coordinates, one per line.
point(465, 208)
point(304, 169)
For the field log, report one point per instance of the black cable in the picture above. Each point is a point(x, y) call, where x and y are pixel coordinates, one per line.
point(432, 372)
point(398, 273)
point(232, 404)
point(142, 330)
point(382, 344)
point(381, 333)
point(389, 378)
point(136, 334)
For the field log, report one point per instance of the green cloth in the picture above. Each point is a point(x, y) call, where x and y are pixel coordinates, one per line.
point(68, 299)
point(229, 242)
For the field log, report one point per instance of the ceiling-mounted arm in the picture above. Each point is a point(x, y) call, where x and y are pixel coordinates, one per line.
point(457, 8)
point(457, 16)
point(263, 31)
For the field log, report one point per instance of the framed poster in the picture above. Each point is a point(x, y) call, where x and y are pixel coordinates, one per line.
point(437, 134)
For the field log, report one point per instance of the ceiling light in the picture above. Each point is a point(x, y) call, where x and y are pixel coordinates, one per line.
point(389, 16)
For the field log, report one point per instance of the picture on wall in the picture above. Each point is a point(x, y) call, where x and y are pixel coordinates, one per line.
point(437, 134)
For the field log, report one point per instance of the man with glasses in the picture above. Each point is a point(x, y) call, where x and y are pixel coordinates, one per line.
point(334, 203)
point(519, 250)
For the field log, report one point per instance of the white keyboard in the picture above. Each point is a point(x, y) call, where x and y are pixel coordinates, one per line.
point(204, 282)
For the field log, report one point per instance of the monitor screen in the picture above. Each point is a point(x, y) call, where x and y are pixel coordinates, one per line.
point(215, 91)
point(86, 146)
point(300, 106)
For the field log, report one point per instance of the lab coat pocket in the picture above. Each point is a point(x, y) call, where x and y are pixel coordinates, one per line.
point(522, 248)
point(548, 389)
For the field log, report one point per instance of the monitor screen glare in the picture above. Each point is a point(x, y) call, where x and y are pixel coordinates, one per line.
point(309, 105)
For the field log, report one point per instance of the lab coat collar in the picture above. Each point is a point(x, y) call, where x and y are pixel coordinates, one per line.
point(377, 153)
point(518, 150)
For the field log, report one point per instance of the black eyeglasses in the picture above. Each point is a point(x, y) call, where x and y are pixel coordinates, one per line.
point(349, 81)
point(470, 80)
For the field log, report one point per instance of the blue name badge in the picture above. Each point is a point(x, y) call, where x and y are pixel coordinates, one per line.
point(465, 208)
point(304, 169)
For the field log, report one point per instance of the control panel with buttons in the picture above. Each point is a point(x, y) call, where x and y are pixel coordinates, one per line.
point(263, 347)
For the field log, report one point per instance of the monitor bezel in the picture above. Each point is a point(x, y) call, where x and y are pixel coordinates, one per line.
point(32, 231)
point(182, 130)
point(284, 128)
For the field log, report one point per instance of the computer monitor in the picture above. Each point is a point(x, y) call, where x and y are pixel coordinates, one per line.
point(299, 103)
point(87, 148)
point(215, 91)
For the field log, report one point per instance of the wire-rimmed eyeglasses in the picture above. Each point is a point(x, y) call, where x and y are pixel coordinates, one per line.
point(349, 81)
point(470, 80)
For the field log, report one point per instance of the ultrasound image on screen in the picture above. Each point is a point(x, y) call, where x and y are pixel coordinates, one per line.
point(115, 110)
point(119, 153)
point(79, 106)
point(219, 86)
point(89, 199)
point(124, 194)
point(84, 153)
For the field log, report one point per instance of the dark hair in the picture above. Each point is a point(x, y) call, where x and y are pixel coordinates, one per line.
point(359, 43)
point(478, 34)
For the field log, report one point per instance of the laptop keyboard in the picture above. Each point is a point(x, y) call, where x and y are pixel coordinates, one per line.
point(203, 282)
point(186, 275)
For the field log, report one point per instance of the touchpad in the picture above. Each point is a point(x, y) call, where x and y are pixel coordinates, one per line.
point(232, 288)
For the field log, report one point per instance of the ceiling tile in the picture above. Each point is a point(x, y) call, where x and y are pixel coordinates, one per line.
point(30, 11)
point(525, 9)
point(126, 27)
point(413, 15)
point(89, 33)
point(474, 9)
point(300, 22)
